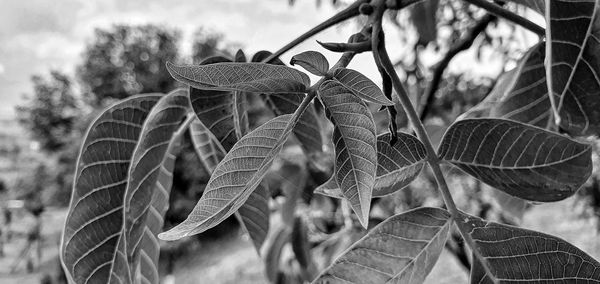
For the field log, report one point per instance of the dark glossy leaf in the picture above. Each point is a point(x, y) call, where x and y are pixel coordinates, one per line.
point(402, 249)
point(522, 160)
point(254, 214)
point(361, 86)
point(516, 255)
point(312, 61)
point(521, 94)
point(94, 222)
point(308, 129)
point(240, 56)
point(236, 177)
point(424, 17)
point(146, 164)
point(149, 244)
point(397, 166)
point(355, 146)
point(248, 77)
point(574, 31)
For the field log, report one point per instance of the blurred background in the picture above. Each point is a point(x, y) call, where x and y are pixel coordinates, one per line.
point(62, 62)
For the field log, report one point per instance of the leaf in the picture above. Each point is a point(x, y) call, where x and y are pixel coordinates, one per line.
point(209, 150)
point(215, 110)
point(397, 166)
point(514, 255)
point(240, 56)
point(355, 146)
point(149, 245)
point(424, 17)
point(522, 160)
point(240, 114)
point(361, 86)
point(521, 94)
point(312, 61)
point(273, 248)
point(574, 33)
point(308, 129)
point(249, 77)
point(254, 213)
point(402, 249)
point(95, 219)
point(146, 163)
point(236, 177)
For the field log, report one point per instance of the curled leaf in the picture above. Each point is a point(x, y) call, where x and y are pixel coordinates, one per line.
point(314, 62)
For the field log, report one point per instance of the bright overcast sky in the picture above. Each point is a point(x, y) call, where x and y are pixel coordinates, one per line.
point(39, 35)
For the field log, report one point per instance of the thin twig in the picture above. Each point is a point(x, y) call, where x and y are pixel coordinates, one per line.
point(438, 70)
point(503, 13)
point(347, 13)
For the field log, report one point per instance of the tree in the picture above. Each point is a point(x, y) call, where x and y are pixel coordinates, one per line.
point(126, 60)
point(51, 114)
point(525, 140)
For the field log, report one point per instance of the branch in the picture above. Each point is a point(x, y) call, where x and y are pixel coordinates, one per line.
point(349, 12)
point(462, 44)
point(432, 158)
point(503, 13)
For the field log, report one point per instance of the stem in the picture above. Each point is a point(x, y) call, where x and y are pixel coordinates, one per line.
point(503, 13)
point(464, 43)
point(548, 65)
point(349, 12)
point(432, 158)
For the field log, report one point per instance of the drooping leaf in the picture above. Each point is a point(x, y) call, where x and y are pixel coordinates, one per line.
point(521, 94)
point(254, 214)
point(516, 255)
point(149, 244)
point(424, 17)
point(207, 146)
point(574, 34)
point(361, 86)
point(312, 61)
point(402, 249)
point(240, 113)
point(236, 177)
point(397, 166)
point(355, 146)
point(146, 163)
point(94, 222)
point(249, 77)
point(308, 129)
point(522, 160)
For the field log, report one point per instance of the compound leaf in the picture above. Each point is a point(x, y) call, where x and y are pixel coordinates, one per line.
point(522, 160)
point(355, 146)
point(236, 177)
point(574, 34)
point(89, 247)
point(312, 61)
point(236, 76)
point(397, 166)
point(402, 249)
point(146, 164)
point(361, 86)
point(513, 255)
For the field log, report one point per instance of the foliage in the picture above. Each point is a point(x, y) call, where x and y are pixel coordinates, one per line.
point(123, 170)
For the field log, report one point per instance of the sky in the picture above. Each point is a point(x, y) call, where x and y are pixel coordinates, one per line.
point(40, 35)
